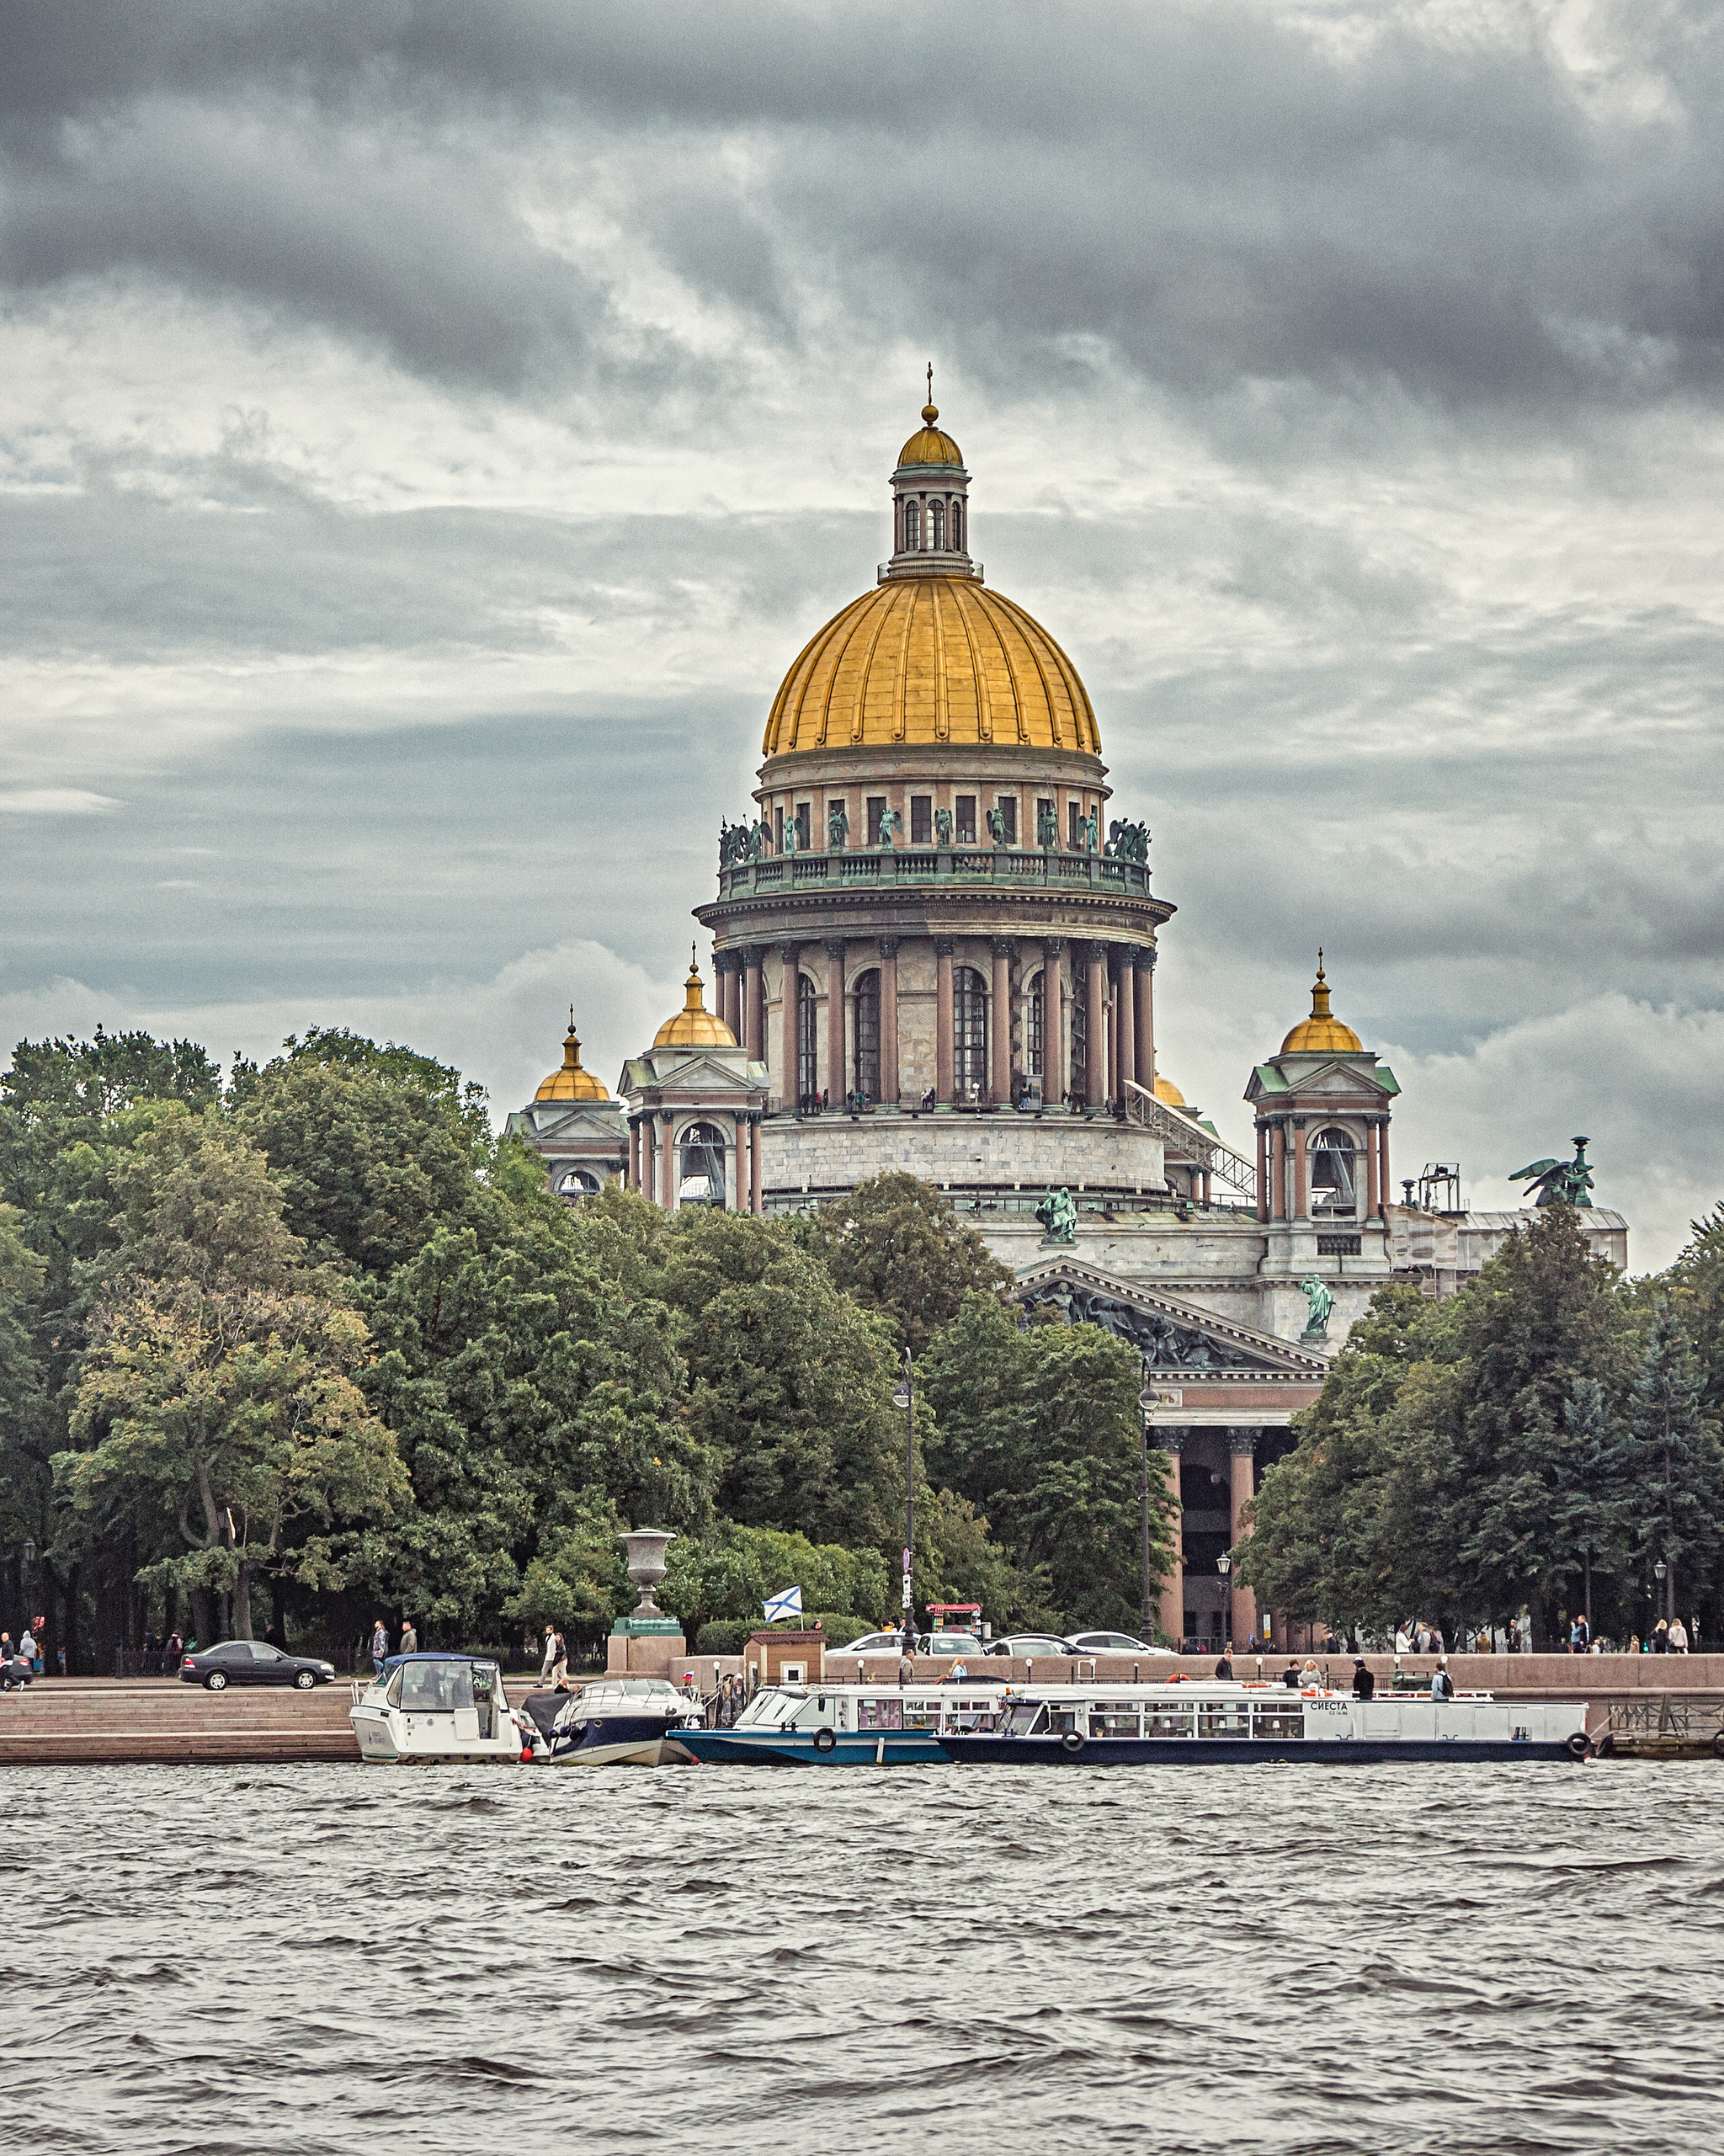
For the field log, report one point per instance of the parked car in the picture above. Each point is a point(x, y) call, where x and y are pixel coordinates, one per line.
point(252, 1662)
point(953, 1643)
point(1040, 1644)
point(873, 1643)
point(1114, 1643)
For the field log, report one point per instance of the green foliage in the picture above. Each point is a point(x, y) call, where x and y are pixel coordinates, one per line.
point(1040, 1429)
point(1678, 1469)
point(731, 1572)
point(1695, 1287)
point(895, 1245)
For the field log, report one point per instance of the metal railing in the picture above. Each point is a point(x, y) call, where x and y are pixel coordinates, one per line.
point(1667, 1714)
point(903, 867)
point(1188, 1140)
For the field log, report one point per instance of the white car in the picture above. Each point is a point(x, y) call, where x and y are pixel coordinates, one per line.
point(1114, 1643)
point(873, 1643)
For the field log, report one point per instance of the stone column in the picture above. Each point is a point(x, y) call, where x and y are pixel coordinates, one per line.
point(753, 1004)
point(754, 1163)
point(1242, 1445)
point(1373, 1195)
point(943, 1020)
point(741, 1144)
point(836, 1086)
point(1053, 1022)
point(1173, 1611)
point(999, 1018)
point(1095, 1079)
point(649, 1159)
point(790, 957)
point(634, 1154)
point(1126, 1022)
point(1145, 1018)
point(1383, 1163)
point(1300, 1168)
point(668, 1163)
point(889, 1020)
point(1278, 1170)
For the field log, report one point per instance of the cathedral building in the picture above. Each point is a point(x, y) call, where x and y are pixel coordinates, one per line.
point(933, 946)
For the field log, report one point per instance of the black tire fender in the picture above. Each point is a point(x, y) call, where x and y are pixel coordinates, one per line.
point(1072, 1742)
point(215, 1682)
point(1607, 1746)
point(1580, 1745)
point(824, 1740)
point(1718, 1743)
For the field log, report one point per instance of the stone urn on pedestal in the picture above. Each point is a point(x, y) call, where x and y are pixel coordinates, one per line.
point(647, 1642)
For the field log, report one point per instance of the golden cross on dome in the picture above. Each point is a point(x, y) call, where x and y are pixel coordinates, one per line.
point(930, 381)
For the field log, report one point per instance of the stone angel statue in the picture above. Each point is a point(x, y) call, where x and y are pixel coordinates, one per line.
point(837, 826)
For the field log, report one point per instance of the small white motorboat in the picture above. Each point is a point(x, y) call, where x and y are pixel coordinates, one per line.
point(441, 1706)
point(617, 1721)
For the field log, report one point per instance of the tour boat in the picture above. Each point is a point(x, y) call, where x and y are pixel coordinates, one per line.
point(1217, 1723)
point(847, 1725)
point(616, 1722)
point(440, 1707)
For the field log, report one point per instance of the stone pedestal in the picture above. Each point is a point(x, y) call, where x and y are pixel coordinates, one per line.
point(644, 1646)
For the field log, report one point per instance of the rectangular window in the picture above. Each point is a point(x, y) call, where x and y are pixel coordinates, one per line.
point(966, 807)
point(1338, 1246)
point(778, 830)
point(1007, 804)
point(880, 1714)
point(877, 810)
point(1074, 826)
point(805, 825)
point(921, 819)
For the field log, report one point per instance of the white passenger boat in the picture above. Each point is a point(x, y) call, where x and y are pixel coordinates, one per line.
point(848, 1725)
point(616, 1722)
point(440, 1707)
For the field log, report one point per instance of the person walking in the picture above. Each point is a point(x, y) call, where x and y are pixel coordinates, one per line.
point(1661, 1637)
point(1679, 1637)
point(548, 1661)
point(560, 1664)
point(409, 1638)
point(27, 1650)
point(379, 1646)
point(1364, 1684)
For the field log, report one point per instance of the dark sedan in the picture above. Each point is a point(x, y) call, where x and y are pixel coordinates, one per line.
point(252, 1662)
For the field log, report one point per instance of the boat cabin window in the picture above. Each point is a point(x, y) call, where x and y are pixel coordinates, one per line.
point(436, 1687)
point(1064, 1718)
point(923, 1713)
point(1024, 1719)
point(1169, 1721)
point(1113, 1721)
point(1278, 1721)
point(880, 1714)
point(1224, 1718)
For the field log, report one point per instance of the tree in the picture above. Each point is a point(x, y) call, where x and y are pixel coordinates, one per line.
point(1592, 1495)
point(1677, 1477)
point(895, 1245)
point(1039, 1429)
point(731, 1571)
point(1694, 1284)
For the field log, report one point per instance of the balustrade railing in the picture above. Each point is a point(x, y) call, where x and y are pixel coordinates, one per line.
point(919, 865)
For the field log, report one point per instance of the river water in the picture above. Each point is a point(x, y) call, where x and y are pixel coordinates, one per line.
point(1518, 1958)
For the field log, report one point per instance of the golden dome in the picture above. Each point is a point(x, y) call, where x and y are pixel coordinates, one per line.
point(1321, 1033)
point(932, 445)
point(571, 1082)
point(694, 1025)
point(1166, 1090)
point(932, 659)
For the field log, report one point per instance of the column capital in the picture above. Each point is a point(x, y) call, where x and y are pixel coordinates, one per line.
point(943, 946)
point(1243, 1443)
point(835, 947)
point(1171, 1441)
point(1297, 1121)
point(1095, 953)
point(888, 946)
point(1144, 959)
point(1003, 947)
point(750, 954)
point(791, 953)
point(1053, 947)
point(666, 1115)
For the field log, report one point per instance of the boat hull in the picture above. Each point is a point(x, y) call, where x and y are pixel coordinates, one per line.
point(796, 1748)
point(384, 1742)
point(617, 1741)
point(1242, 1751)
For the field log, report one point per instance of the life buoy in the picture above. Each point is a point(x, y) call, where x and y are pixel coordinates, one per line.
point(1580, 1745)
point(824, 1740)
point(1072, 1742)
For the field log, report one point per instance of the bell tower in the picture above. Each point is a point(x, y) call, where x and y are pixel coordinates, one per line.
point(931, 504)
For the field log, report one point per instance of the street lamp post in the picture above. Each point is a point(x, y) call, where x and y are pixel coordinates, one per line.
point(904, 1396)
point(1666, 1594)
point(1145, 1401)
point(1224, 1565)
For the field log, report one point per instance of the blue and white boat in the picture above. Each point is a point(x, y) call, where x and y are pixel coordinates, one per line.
point(1222, 1724)
point(615, 1721)
point(847, 1725)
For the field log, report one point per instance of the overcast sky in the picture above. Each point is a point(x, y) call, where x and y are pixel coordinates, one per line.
point(428, 432)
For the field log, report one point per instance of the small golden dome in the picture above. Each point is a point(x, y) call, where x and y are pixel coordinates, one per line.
point(694, 1025)
point(932, 445)
point(1165, 1089)
point(571, 1082)
point(1321, 1033)
point(932, 659)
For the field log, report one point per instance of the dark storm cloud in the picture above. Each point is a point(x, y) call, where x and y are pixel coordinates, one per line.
point(1207, 193)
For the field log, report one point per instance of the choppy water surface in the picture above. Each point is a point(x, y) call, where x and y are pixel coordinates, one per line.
point(371, 1959)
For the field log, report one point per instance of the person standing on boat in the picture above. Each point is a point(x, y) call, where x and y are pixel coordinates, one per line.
point(1442, 1683)
point(1290, 1676)
point(907, 1664)
point(379, 1646)
point(1364, 1684)
point(1311, 1678)
point(1224, 1668)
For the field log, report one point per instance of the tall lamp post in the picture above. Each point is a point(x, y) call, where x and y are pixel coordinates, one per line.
point(1224, 1565)
point(904, 1396)
point(1145, 1401)
point(1664, 1594)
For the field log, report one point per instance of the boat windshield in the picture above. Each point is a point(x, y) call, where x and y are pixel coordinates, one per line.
point(434, 1687)
point(1022, 1719)
point(625, 1695)
point(768, 1709)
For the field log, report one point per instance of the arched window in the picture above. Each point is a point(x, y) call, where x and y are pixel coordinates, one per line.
point(1032, 1046)
point(866, 1079)
point(1333, 1189)
point(807, 1042)
point(1080, 1050)
point(957, 527)
point(913, 528)
point(937, 526)
point(700, 1167)
point(969, 1033)
point(575, 1184)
